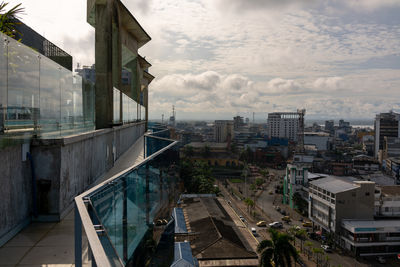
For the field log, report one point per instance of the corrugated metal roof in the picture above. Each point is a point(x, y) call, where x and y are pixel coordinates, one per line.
point(183, 255)
point(335, 184)
point(179, 218)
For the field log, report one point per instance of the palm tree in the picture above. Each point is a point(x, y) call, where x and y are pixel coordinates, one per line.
point(278, 251)
point(8, 18)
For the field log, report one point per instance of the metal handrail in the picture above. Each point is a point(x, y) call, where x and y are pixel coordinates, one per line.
point(82, 217)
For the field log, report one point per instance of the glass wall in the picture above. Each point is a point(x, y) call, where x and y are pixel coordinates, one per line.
point(38, 96)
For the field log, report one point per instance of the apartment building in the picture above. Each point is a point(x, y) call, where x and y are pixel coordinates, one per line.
point(386, 124)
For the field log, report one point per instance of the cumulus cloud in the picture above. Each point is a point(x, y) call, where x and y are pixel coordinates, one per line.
point(330, 83)
point(282, 86)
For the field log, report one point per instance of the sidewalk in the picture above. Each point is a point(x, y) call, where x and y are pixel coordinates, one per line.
point(52, 244)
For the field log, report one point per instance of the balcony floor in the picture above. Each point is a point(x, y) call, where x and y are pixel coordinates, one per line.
point(52, 244)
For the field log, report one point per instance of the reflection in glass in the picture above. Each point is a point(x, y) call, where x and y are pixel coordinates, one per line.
point(23, 86)
point(116, 104)
point(3, 79)
point(67, 102)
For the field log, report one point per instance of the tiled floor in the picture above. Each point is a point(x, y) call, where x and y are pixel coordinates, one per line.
point(52, 244)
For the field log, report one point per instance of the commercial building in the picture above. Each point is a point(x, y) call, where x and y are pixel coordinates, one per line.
point(387, 201)
point(223, 131)
point(390, 147)
point(237, 123)
point(216, 235)
point(319, 139)
point(285, 125)
point(330, 126)
point(386, 124)
point(333, 199)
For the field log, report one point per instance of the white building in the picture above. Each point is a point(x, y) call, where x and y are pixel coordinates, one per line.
point(223, 131)
point(387, 201)
point(283, 125)
point(386, 124)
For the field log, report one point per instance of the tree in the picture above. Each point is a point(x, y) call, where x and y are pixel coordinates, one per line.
point(318, 253)
point(300, 203)
point(8, 19)
point(249, 203)
point(278, 251)
point(188, 151)
point(259, 181)
point(308, 245)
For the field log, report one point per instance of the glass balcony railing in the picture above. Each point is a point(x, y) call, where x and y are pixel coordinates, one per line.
point(118, 214)
point(40, 97)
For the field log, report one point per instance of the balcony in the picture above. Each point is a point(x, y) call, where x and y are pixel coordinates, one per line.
point(118, 214)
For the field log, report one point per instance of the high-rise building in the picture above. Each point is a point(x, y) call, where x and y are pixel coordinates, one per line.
point(284, 125)
point(386, 124)
point(237, 122)
point(223, 131)
point(330, 126)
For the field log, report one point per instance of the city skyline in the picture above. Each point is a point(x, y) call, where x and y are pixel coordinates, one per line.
point(217, 59)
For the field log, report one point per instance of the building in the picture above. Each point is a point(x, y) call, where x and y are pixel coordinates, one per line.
point(386, 124)
point(390, 147)
point(393, 168)
point(330, 126)
point(319, 139)
point(387, 201)
point(371, 237)
point(237, 123)
point(365, 164)
point(223, 131)
point(284, 125)
point(333, 199)
point(216, 235)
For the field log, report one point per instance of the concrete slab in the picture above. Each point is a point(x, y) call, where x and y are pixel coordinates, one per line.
point(12, 255)
point(50, 255)
point(25, 239)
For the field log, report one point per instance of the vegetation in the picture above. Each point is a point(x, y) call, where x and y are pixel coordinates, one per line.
point(236, 181)
point(259, 181)
point(188, 151)
point(206, 151)
point(300, 203)
point(7, 19)
point(278, 251)
point(197, 177)
point(249, 203)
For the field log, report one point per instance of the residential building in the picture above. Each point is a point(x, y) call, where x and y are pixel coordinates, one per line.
point(386, 124)
point(365, 164)
point(333, 199)
point(237, 123)
point(223, 131)
point(387, 201)
point(393, 168)
point(284, 125)
point(390, 147)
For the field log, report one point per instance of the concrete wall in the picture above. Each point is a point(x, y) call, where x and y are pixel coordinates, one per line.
point(64, 168)
point(15, 192)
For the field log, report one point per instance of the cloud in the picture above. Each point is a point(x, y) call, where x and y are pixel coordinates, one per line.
point(327, 83)
point(282, 86)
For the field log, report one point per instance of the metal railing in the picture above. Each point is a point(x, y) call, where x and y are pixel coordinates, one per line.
point(117, 213)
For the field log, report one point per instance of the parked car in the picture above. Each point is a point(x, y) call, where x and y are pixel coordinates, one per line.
point(286, 219)
point(283, 212)
point(307, 224)
point(276, 225)
point(326, 248)
point(253, 231)
point(261, 224)
point(242, 218)
point(313, 236)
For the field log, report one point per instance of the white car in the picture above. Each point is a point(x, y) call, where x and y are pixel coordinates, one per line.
point(276, 225)
point(254, 231)
point(381, 259)
point(326, 248)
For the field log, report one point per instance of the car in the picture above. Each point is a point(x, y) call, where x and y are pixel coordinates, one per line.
point(286, 219)
point(261, 224)
point(283, 212)
point(381, 259)
point(278, 208)
point(307, 224)
point(253, 231)
point(242, 218)
point(326, 248)
point(275, 225)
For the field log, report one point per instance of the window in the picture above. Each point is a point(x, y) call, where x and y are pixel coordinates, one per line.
point(367, 193)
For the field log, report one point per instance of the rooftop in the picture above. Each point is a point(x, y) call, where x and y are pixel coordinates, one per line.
point(217, 235)
point(335, 184)
point(391, 190)
point(370, 225)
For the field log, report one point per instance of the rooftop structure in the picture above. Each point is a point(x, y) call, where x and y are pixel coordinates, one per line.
point(217, 239)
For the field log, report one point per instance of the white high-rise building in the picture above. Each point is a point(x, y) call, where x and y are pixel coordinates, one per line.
point(223, 131)
point(386, 124)
point(284, 125)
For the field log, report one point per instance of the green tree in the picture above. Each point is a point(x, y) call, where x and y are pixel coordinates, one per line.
point(188, 151)
point(259, 181)
point(278, 251)
point(8, 19)
point(318, 252)
point(249, 203)
point(308, 245)
point(300, 203)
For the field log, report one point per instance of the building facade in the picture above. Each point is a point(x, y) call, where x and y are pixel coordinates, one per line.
point(223, 131)
point(386, 124)
point(284, 125)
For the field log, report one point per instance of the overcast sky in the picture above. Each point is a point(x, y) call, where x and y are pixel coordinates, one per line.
point(214, 59)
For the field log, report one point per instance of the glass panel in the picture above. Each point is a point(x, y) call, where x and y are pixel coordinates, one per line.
point(50, 97)
point(67, 102)
point(23, 86)
point(77, 100)
point(3, 77)
point(116, 101)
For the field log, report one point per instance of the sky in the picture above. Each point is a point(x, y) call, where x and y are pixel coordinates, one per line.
point(215, 59)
